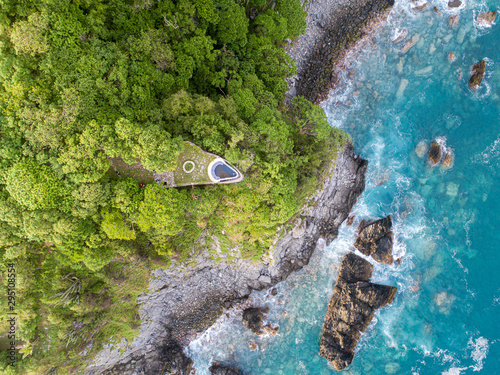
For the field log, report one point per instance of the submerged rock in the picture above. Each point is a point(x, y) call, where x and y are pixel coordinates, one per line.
point(253, 345)
point(351, 309)
point(414, 40)
point(253, 319)
point(486, 19)
point(217, 369)
point(477, 75)
point(453, 20)
point(375, 240)
point(401, 35)
point(421, 149)
point(444, 302)
point(271, 330)
point(448, 158)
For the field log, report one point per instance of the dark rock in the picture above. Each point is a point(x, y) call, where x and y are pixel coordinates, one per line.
point(454, 3)
point(477, 75)
point(217, 369)
point(435, 154)
point(351, 310)
point(253, 319)
point(274, 291)
point(354, 268)
point(375, 239)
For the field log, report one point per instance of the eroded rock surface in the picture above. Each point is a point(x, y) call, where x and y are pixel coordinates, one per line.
point(375, 240)
point(477, 75)
point(183, 301)
point(351, 309)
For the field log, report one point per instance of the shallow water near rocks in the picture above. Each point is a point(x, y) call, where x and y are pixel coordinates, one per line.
point(444, 318)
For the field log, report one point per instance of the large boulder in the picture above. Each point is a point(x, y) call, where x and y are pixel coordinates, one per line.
point(477, 75)
point(486, 19)
point(375, 240)
point(351, 310)
point(253, 319)
point(435, 154)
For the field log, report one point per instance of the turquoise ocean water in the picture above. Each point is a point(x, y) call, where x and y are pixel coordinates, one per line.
point(444, 319)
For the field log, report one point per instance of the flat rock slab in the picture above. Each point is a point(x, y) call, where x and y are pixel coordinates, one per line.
point(351, 310)
point(375, 240)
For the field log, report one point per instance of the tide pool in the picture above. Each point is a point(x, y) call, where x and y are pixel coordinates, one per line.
point(444, 317)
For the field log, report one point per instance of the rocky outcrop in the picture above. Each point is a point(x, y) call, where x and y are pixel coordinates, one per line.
point(439, 154)
point(435, 154)
point(182, 302)
point(331, 30)
point(454, 3)
point(477, 74)
point(217, 369)
point(375, 240)
point(351, 309)
point(486, 19)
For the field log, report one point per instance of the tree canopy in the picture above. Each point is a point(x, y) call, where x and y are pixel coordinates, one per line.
point(90, 81)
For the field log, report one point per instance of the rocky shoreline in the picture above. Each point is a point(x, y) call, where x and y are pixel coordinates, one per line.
point(183, 302)
point(333, 26)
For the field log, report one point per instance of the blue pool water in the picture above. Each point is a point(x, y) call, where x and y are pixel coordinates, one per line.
point(444, 319)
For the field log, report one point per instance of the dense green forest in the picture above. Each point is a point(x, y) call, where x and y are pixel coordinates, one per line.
point(85, 81)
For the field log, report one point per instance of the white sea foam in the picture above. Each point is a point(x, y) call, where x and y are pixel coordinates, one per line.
point(480, 350)
point(454, 371)
point(490, 155)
